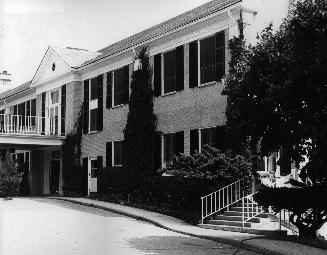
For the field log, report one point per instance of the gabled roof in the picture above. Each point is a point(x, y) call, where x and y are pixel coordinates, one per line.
point(165, 27)
point(74, 57)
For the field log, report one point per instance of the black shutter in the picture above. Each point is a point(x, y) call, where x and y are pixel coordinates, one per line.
point(180, 68)
point(109, 154)
point(100, 103)
point(193, 64)
point(179, 143)
point(85, 175)
point(157, 75)
point(28, 108)
point(109, 90)
point(86, 108)
point(99, 164)
point(63, 109)
point(220, 55)
point(194, 141)
point(157, 151)
point(221, 137)
point(43, 112)
point(126, 84)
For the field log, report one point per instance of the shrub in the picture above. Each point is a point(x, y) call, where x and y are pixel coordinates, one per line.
point(10, 178)
point(212, 164)
point(308, 206)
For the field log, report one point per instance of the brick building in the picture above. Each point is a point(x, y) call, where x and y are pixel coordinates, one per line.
point(189, 55)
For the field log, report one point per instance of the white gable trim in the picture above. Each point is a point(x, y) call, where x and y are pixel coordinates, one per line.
point(66, 68)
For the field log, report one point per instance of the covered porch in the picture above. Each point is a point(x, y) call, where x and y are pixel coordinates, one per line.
point(38, 157)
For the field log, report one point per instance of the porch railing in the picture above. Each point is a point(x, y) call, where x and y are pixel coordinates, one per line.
point(285, 221)
point(29, 125)
point(222, 199)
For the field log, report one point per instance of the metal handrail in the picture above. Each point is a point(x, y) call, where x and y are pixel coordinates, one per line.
point(222, 199)
point(250, 209)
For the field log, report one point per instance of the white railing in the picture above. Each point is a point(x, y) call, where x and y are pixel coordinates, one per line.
point(222, 199)
point(250, 209)
point(29, 125)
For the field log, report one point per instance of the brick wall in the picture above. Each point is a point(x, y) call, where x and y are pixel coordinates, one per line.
point(191, 108)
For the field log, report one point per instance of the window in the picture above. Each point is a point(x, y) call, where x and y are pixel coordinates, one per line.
point(214, 137)
point(208, 137)
point(173, 144)
point(169, 71)
point(93, 119)
point(121, 86)
point(55, 97)
point(93, 104)
point(207, 60)
point(118, 150)
point(94, 168)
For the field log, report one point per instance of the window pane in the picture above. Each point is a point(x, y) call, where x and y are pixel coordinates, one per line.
point(93, 119)
point(208, 136)
point(169, 144)
point(170, 71)
point(55, 97)
point(94, 169)
point(121, 86)
point(118, 150)
point(94, 89)
point(207, 60)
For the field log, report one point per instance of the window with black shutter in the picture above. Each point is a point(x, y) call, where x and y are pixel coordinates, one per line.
point(121, 86)
point(109, 154)
point(173, 70)
point(43, 98)
point(211, 64)
point(93, 103)
point(194, 141)
point(173, 145)
point(63, 109)
point(109, 90)
point(157, 75)
point(86, 108)
point(193, 64)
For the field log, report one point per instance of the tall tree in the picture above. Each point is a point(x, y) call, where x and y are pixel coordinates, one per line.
point(139, 133)
point(277, 94)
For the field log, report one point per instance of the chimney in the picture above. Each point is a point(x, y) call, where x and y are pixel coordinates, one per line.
point(4, 78)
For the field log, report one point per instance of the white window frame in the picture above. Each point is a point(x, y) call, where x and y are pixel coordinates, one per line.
point(49, 104)
point(113, 86)
point(199, 60)
point(113, 153)
point(163, 73)
point(200, 137)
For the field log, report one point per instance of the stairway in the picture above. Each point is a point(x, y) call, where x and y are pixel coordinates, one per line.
point(239, 214)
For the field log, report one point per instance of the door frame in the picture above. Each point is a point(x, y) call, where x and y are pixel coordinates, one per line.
point(91, 183)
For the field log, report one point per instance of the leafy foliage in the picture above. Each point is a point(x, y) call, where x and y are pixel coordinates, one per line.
point(71, 155)
point(211, 164)
point(139, 133)
point(277, 96)
point(307, 204)
point(10, 178)
point(277, 93)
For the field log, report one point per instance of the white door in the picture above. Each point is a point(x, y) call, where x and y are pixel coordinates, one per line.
point(92, 175)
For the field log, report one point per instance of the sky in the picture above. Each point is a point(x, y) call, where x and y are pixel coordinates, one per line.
point(28, 27)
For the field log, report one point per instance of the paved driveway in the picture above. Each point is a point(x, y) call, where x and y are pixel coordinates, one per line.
point(45, 226)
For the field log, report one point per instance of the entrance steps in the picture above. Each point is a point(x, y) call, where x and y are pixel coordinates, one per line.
point(232, 220)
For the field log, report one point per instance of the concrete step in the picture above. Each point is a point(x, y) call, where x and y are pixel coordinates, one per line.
point(234, 218)
point(229, 223)
point(240, 209)
point(271, 233)
point(237, 213)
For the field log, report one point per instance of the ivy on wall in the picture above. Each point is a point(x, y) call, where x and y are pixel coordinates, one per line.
point(71, 148)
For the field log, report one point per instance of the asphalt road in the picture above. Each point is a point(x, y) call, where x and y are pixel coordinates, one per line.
point(50, 227)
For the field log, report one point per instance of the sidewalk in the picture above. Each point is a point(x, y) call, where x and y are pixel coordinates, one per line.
point(251, 242)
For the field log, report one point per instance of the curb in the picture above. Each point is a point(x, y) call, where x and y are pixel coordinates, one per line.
point(236, 243)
